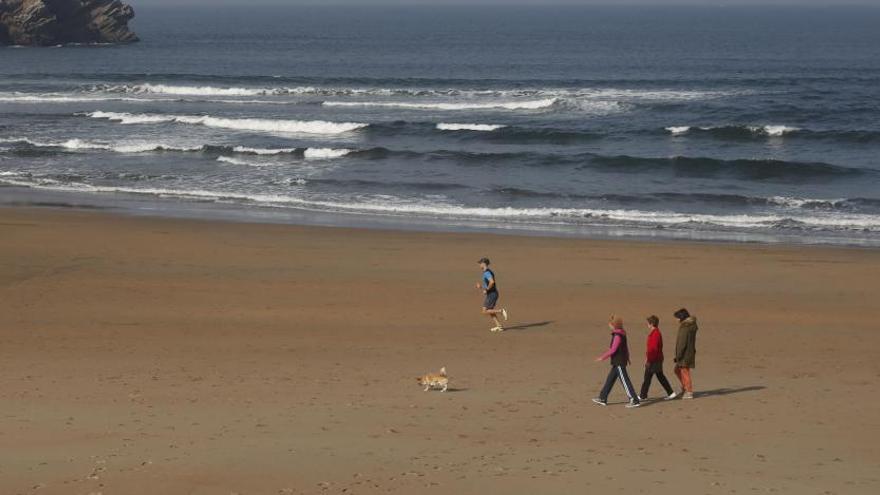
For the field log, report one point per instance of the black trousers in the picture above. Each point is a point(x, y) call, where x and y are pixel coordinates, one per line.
point(651, 370)
point(618, 373)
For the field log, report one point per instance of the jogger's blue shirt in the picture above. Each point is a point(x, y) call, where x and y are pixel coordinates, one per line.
point(487, 276)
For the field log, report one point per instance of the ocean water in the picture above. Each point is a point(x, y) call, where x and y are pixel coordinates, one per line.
point(751, 124)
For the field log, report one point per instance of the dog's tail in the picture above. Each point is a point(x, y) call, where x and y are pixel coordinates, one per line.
point(443, 371)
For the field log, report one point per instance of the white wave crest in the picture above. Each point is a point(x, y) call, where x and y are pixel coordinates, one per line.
point(167, 89)
point(775, 130)
point(57, 98)
point(768, 130)
point(257, 125)
point(461, 105)
point(189, 90)
point(678, 130)
point(244, 163)
point(546, 92)
point(469, 127)
point(594, 107)
point(263, 151)
point(325, 153)
point(131, 118)
point(397, 206)
point(122, 147)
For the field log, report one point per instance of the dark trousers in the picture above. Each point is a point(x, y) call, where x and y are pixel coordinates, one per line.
point(618, 373)
point(651, 370)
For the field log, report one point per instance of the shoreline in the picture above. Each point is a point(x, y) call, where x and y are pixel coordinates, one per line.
point(137, 205)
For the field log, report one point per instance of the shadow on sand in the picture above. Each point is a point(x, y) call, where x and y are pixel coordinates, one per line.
point(706, 393)
point(526, 326)
point(727, 391)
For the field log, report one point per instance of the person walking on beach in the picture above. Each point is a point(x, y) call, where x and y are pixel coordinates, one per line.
point(654, 361)
point(686, 351)
point(489, 287)
point(618, 352)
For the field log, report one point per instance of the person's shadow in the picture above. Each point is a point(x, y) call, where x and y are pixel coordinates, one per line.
point(709, 393)
point(727, 391)
point(526, 326)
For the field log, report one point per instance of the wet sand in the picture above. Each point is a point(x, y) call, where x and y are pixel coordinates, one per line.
point(148, 356)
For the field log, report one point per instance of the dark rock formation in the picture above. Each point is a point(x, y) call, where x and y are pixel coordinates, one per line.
point(53, 22)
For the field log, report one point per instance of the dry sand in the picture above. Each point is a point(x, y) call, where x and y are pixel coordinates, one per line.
point(151, 356)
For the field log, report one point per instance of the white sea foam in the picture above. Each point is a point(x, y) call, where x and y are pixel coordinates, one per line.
point(801, 202)
point(768, 130)
point(547, 92)
point(639, 94)
point(775, 130)
point(460, 105)
point(263, 151)
point(325, 153)
point(132, 118)
point(121, 147)
point(182, 90)
point(257, 125)
point(55, 98)
point(677, 130)
point(244, 163)
point(396, 206)
point(191, 90)
point(595, 107)
point(469, 127)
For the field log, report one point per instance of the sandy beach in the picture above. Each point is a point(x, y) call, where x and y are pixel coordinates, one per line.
point(154, 356)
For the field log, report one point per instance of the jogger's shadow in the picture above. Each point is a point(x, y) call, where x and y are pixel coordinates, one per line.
point(526, 326)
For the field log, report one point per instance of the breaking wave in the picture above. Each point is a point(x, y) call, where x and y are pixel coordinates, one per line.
point(469, 127)
point(736, 131)
point(461, 105)
point(79, 144)
point(246, 124)
point(389, 205)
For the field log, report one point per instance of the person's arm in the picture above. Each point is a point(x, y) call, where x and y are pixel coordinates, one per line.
point(680, 345)
point(692, 340)
point(490, 284)
point(653, 347)
point(615, 343)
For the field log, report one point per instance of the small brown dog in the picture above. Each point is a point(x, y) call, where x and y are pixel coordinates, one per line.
point(435, 380)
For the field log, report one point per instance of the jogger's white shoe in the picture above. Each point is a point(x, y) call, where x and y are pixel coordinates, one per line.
point(504, 313)
point(671, 396)
point(688, 395)
point(633, 404)
point(600, 402)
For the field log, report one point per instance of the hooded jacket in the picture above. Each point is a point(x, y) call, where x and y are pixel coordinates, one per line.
point(686, 344)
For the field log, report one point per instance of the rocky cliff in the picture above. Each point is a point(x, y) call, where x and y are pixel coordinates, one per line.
point(53, 22)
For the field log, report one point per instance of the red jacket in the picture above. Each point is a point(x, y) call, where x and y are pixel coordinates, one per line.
point(655, 346)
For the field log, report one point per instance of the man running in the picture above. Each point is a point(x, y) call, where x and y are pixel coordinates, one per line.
point(490, 289)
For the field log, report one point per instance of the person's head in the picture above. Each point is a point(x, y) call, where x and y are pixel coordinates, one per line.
point(682, 314)
point(653, 321)
point(615, 322)
point(484, 263)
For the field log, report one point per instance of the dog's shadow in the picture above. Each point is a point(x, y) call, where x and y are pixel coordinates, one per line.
point(526, 326)
point(456, 389)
